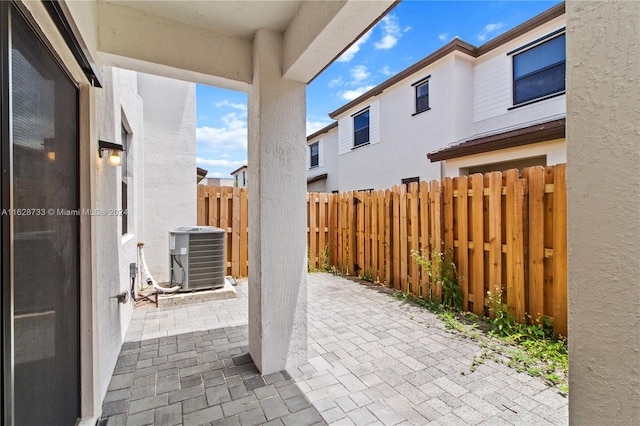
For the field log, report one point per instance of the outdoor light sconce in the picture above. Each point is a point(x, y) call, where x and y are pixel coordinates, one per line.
point(113, 150)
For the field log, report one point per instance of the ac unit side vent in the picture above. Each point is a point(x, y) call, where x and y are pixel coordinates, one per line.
point(200, 253)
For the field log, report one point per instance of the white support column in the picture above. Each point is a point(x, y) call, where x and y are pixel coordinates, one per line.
point(277, 212)
point(603, 182)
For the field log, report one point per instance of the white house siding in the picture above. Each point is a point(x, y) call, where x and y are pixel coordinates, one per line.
point(492, 95)
point(328, 150)
point(169, 165)
point(462, 88)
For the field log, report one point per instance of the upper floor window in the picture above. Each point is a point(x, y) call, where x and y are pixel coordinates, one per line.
point(361, 128)
point(539, 71)
point(314, 154)
point(422, 97)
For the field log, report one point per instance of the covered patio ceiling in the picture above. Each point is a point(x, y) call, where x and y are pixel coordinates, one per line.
point(210, 42)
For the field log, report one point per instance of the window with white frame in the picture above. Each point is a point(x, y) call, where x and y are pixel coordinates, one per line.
point(361, 128)
point(539, 69)
point(422, 95)
point(314, 155)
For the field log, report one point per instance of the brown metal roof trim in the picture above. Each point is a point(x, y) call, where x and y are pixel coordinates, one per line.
point(317, 178)
point(461, 46)
point(201, 172)
point(525, 27)
point(453, 45)
point(238, 169)
point(321, 131)
point(527, 135)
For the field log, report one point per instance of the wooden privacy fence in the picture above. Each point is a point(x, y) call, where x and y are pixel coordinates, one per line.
point(226, 207)
point(506, 232)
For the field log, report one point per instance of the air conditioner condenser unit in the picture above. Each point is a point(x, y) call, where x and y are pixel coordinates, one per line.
point(197, 257)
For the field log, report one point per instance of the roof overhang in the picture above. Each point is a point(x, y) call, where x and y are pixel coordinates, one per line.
point(322, 131)
point(547, 131)
point(317, 178)
point(239, 169)
point(211, 42)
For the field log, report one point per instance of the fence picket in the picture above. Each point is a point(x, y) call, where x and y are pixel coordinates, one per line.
point(415, 239)
point(463, 238)
point(477, 252)
point(374, 236)
point(495, 232)
point(235, 232)
point(515, 246)
point(395, 226)
point(425, 246)
point(244, 236)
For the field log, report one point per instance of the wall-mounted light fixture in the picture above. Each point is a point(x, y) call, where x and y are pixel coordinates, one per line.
point(113, 149)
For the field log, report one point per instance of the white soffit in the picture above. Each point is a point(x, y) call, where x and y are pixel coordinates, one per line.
point(211, 42)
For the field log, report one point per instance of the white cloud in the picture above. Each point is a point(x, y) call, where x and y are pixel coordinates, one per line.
point(232, 135)
point(386, 71)
point(220, 163)
point(444, 36)
point(336, 82)
point(314, 126)
point(350, 95)
point(355, 48)
point(391, 32)
point(359, 73)
point(225, 103)
point(488, 29)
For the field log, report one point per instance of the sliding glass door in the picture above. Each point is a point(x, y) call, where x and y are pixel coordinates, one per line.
point(40, 233)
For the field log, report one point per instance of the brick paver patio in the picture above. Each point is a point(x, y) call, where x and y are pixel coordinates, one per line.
point(372, 360)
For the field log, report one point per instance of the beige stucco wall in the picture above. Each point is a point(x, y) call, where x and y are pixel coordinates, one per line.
point(603, 151)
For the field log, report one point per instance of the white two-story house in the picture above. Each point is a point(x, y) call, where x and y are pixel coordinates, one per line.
point(462, 109)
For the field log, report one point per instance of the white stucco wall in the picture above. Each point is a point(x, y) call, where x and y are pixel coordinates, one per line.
point(555, 152)
point(328, 143)
point(116, 102)
point(169, 165)
point(603, 217)
point(216, 182)
point(405, 138)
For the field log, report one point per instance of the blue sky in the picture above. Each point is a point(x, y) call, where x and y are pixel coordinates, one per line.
point(413, 30)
